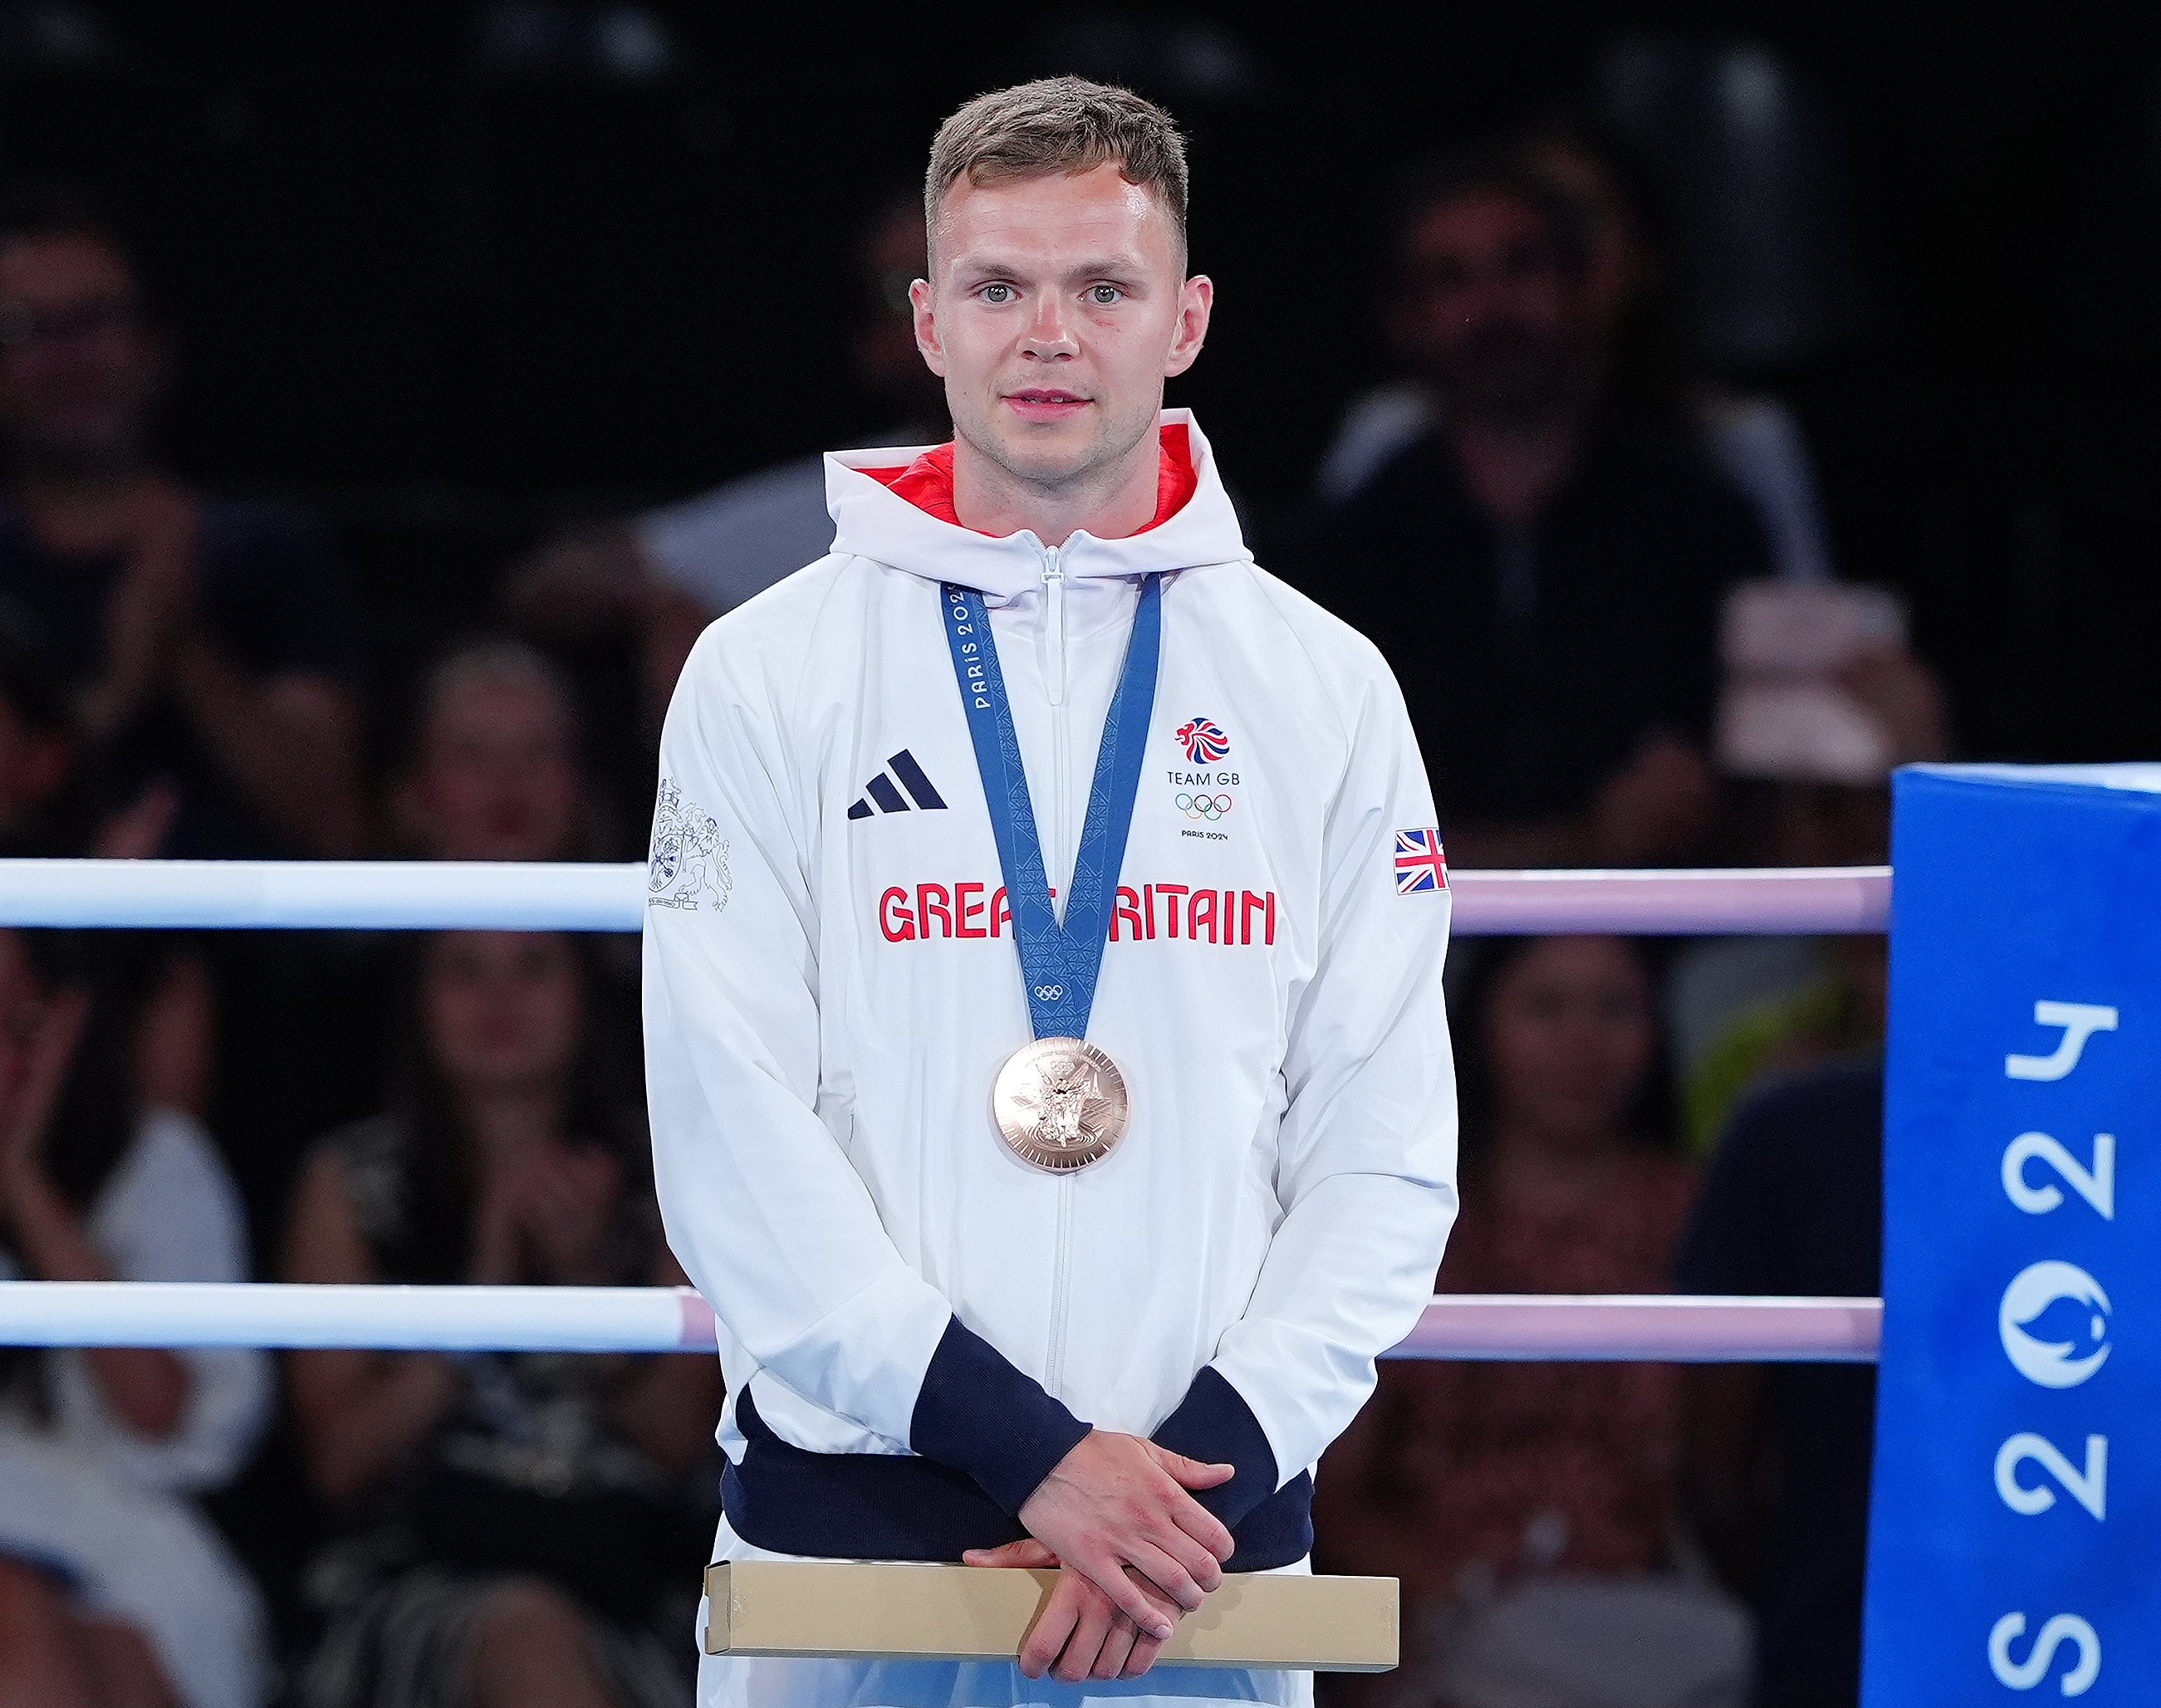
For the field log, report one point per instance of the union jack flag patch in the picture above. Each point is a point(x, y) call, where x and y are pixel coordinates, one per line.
point(1421, 866)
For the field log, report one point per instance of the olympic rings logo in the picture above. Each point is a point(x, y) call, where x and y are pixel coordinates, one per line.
point(1049, 993)
point(1211, 807)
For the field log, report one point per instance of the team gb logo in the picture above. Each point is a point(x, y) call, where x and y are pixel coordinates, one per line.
point(1203, 742)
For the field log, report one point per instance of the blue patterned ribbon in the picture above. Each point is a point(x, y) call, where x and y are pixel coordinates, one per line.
point(1059, 963)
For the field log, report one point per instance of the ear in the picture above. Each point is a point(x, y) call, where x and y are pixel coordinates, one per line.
point(926, 326)
point(1196, 301)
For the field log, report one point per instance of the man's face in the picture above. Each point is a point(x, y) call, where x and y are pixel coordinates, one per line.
point(78, 368)
point(1490, 312)
point(1056, 309)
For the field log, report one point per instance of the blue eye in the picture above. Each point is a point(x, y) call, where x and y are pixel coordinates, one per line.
point(997, 293)
point(1103, 295)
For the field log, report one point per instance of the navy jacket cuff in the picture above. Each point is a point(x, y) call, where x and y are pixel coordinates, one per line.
point(978, 1414)
point(1214, 1424)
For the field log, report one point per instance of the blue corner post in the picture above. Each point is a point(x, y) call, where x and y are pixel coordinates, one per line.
point(2015, 1521)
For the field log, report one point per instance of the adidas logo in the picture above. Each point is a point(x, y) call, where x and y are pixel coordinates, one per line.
point(881, 796)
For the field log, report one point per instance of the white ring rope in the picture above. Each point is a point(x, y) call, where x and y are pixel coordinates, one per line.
point(451, 895)
point(328, 894)
point(1499, 1325)
point(446, 895)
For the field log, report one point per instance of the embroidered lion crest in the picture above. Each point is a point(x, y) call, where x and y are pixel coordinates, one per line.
point(689, 867)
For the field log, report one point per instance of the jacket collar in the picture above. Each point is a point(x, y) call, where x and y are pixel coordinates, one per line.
point(873, 521)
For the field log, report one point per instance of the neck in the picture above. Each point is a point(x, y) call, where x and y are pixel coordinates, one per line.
point(502, 1121)
point(1110, 501)
point(1513, 468)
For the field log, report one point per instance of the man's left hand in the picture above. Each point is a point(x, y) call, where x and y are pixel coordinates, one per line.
point(1080, 1634)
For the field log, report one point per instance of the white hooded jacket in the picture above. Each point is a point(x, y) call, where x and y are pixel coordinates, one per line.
point(916, 1325)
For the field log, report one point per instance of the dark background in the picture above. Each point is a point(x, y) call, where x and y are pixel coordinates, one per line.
point(458, 274)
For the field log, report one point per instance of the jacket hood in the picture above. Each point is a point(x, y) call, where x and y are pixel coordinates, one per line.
point(873, 521)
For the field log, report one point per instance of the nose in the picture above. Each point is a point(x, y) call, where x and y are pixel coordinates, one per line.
point(1049, 334)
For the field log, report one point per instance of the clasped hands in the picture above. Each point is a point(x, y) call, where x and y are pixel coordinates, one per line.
point(1134, 1551)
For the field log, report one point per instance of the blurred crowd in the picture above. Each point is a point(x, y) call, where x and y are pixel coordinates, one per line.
point(1604, 582)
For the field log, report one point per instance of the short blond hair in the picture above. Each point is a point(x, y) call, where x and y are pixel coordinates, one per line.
point(1059, 124)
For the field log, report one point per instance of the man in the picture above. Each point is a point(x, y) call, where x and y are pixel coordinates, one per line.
point(1541, 567)
point(209, 659)
point(206, 645)
point(1114, 1321)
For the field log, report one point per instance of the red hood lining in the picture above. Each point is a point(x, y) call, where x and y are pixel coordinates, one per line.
point(927, 482)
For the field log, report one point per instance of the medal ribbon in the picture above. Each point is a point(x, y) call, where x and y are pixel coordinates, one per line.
point(1059, 963)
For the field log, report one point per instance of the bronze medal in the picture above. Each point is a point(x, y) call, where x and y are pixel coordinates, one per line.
point(1060, 1104)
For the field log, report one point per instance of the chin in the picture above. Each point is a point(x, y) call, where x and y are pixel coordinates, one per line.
point(1049, 454)
point(1039, 464)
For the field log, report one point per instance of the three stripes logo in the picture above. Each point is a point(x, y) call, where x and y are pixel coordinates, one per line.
point(883, 796)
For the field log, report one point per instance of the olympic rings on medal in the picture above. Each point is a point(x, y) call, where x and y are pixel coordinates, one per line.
point(1049, 993)
point(1211, 807)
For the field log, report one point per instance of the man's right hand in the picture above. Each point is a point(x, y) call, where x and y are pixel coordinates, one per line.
point(1078, 1634)
point(1116, 1502)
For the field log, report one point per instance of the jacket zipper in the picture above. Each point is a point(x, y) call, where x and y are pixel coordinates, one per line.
point(1053, 1361)
point(1054, 591)
point(1053, 594)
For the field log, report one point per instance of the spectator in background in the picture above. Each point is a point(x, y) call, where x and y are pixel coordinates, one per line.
point(1752, 437)
point(1529, 1509)
point(668, 573)
point(523, 1530)
point(1543, 565)
point(204, 643)
point(48, 808)
point(1822, 701)
point(114, 1589)
point(206, 651)
point(494, 772)
point(1776, 1459)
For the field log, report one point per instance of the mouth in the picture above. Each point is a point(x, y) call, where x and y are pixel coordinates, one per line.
point(1045, 403)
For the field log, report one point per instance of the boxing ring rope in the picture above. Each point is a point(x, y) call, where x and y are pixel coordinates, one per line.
point(1489, 1327)
point(454, 895)
point(447, 895)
